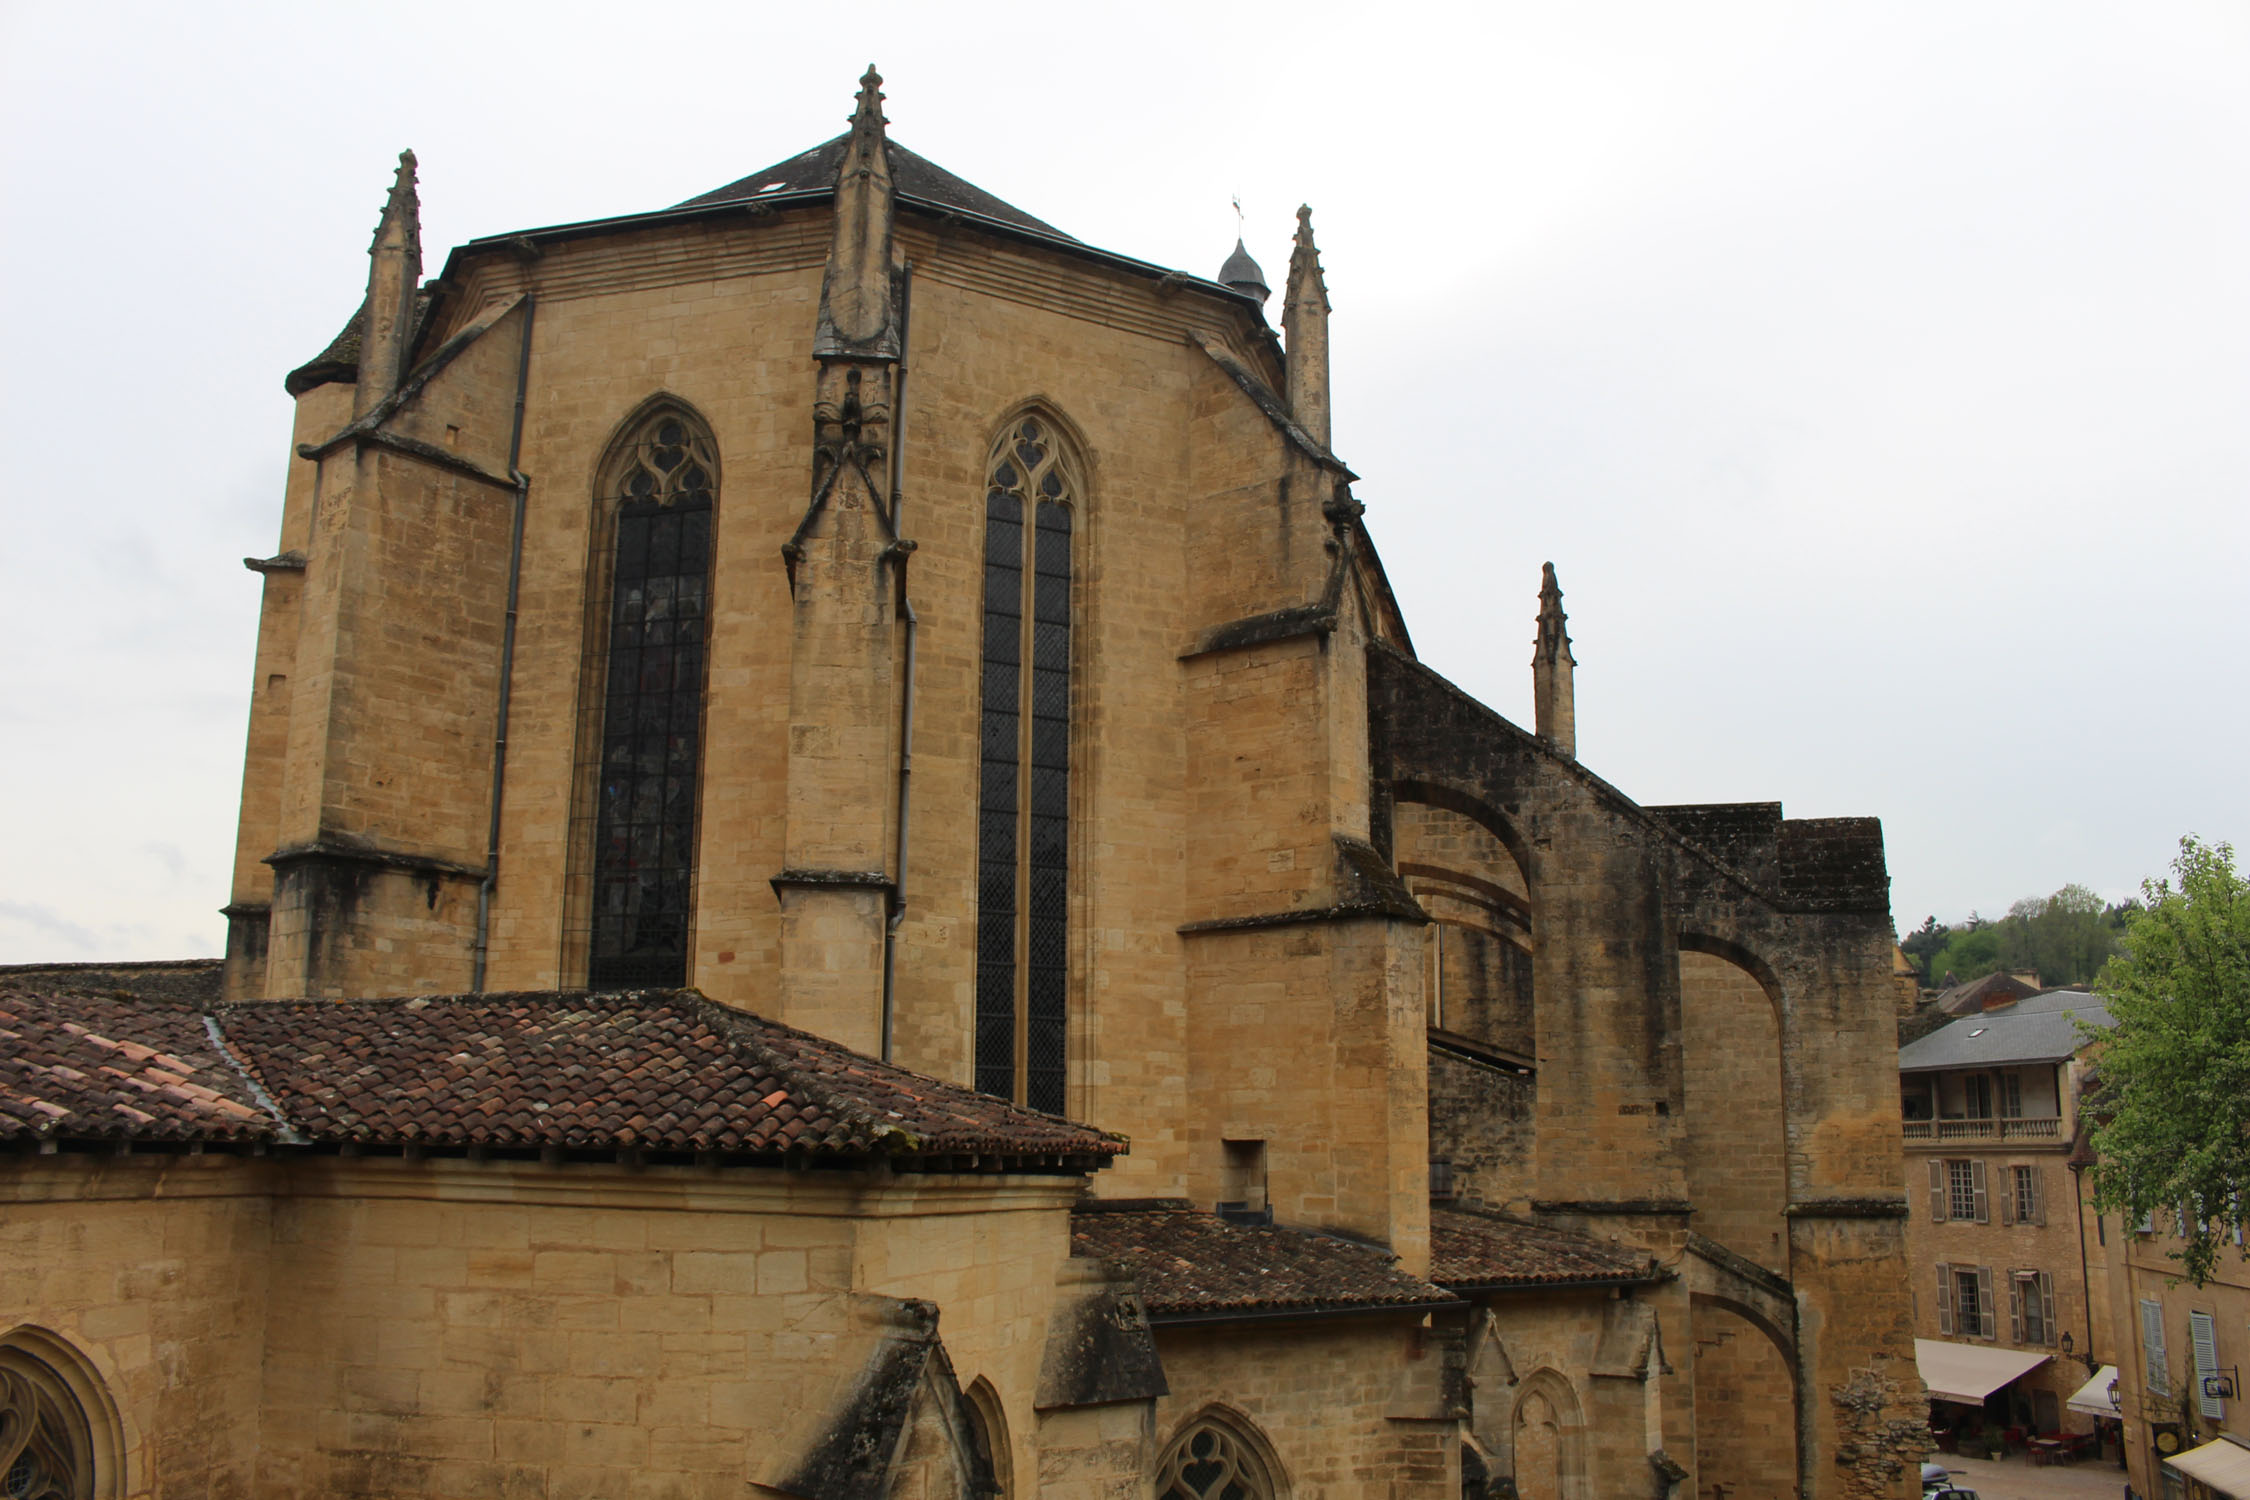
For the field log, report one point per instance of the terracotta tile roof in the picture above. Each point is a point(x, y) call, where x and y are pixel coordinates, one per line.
point(1194, 1264)
point(85, 1065)
point(1475, 1250)
point(662, 1070)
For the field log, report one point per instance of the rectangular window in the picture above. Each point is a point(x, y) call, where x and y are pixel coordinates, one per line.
point(1962, 1196)
point(2033, 1306)
point(2030, 1207)
point(2011, 1096)
point(1969, 1312)
point(2152, 1347)
point(2203, 1333)
point(1976, 1093)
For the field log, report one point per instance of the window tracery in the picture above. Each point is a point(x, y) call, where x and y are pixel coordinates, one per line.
point(1211, 1462)
point(46, 1443)
point(661, 490)
point(1023, 810)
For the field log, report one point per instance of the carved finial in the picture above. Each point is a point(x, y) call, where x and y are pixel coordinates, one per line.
point(402, 213)
point(857, 306)
point(1304, 323)
point(867, 111)
point(1553, 702)
point(394, 274)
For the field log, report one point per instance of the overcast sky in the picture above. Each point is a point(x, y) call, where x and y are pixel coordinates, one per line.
point(1874, 375)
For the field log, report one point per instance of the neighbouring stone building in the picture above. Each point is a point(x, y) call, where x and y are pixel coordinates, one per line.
point(2179, 1362)
point(769, 710)
point(2012, 1315)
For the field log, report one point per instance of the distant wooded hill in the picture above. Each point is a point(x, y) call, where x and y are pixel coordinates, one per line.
point(2066, 937)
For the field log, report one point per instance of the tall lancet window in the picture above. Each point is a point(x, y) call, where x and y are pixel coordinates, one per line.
point(1023, 813)
point(657, 496)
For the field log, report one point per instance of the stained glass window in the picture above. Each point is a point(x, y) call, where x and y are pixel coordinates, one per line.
point(652, 712)
point(1023, 809)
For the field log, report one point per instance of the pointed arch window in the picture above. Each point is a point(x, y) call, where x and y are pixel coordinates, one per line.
point(1211, 1461)
point(46, 1441)
point(644, 738)
point(1023, 810)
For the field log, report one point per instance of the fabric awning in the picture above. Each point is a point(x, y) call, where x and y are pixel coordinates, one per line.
point(2094, 1398)
point(1970, 1372)
point(2223, 1463)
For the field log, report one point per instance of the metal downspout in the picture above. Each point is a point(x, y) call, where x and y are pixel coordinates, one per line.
point(507, 660)
point(912, 623)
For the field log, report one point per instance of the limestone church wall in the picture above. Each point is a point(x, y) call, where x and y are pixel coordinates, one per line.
point(342, 1326)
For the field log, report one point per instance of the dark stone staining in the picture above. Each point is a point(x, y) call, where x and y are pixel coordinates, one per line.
point(1745, 835)
point(1482, 1120)
point(192, 982)
point(1099, 1351)
point(1486, 987)
point(1833, 865)
point(1848, 1208)
point(1259, 630)
point(851, 1458)
point(1366, 885)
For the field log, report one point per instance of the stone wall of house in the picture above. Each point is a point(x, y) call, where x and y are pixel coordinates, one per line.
point(2002, 1246)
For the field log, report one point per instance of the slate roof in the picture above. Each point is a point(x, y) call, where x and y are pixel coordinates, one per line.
point(2035, 1029)
point(1193, 1265)
point(915, 177)
point(662, 1071)
point(1471, 1251)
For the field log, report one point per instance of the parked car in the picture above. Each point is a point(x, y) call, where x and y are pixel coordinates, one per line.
point(1935, 1476)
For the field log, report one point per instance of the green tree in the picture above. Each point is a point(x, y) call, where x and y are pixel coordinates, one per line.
point(2174, 1102)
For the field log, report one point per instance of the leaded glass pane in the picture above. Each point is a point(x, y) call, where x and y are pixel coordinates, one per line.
point(1023, 948)
point(651, 742)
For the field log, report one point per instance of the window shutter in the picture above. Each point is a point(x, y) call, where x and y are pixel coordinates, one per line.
point(2206, 1340)
point(2008, 1194)
point(1937, 1191)
point(1984, 1207)
point(1944, 1298)
point(2015, 1309)
point(2047, 1306)
point(2039, 1196)
point(2152, 1347)
point(1987, 1315)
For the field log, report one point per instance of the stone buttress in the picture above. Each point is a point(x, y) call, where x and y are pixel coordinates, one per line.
point(368, 789)
point(1304, 953)
point(846, 570)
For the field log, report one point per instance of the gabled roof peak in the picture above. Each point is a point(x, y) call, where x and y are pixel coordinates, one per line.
point(917, 178)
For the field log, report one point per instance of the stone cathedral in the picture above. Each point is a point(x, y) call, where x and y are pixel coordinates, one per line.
point(849, 887)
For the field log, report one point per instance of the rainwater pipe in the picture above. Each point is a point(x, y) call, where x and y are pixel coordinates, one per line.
point(911, 622)
point(507, 661)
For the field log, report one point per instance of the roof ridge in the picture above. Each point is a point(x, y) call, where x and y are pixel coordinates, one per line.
point(740, 1029)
